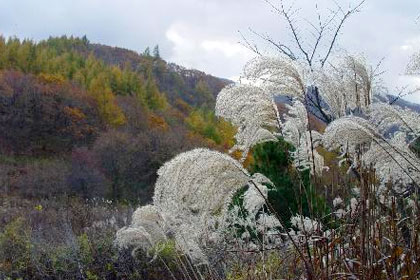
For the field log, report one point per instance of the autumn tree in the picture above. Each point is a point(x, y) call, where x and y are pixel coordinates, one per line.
point(105, 99)
point(43, 115)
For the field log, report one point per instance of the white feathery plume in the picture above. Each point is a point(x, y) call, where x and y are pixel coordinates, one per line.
point(386, 116)
point(295, 131)
point(249, 136)
point(253, 111)
point(347, 86)
point(333, 92)
point(395, 162)
point(268, 221)
point(358, 78)
point(145, 231)
point(136, 237)
point(278, 75)
point(268, 226)
point(253, 200)
point(392, 159)
point(297, 117)
point(255, 221)
point(187, 240)
point(348, 134)
point(193, 192)
point(151, 220)
point(259, 178)
point(198, 184)
point(305, 224)
point(305, 230)
point(352, 136)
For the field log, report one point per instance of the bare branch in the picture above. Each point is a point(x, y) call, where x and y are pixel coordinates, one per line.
point(403, 92)
point(282, 48)
point(376, 72)
point(247, 44)
point(346, 15)
point(282, 11)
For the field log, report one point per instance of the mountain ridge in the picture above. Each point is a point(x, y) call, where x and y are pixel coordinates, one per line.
point(191, 85)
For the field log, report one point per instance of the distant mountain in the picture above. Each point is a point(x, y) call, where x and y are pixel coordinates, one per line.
point(167, 73)
point(318, 122)
point(398, 102)
point(176, 81)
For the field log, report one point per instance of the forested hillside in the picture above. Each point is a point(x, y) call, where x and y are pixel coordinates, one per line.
point(65, 100)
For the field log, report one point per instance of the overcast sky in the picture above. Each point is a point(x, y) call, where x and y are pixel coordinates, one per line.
point(203, 34)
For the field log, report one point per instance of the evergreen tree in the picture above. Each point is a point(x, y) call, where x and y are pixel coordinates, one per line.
point(146, 52)
point(156, 53)
point(85, 40)
point(273, 160)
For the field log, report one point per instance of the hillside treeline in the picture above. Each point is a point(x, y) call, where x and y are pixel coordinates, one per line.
point(66, 105)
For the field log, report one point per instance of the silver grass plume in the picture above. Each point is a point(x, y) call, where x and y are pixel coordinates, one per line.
point(349, 134)
point(136, 237)
point(295, 131)
point(333, 92)
point(386, 116)
point(151, 219)
point(253, 201)
point(255, 221)
point(146, 230)
point(192, 194)
point(253, 111)
point(346, 87)
point(197, 185)
point(305, 224)
point(391, 158)
point(395, 163)
point(359, 78)
point(278, 75)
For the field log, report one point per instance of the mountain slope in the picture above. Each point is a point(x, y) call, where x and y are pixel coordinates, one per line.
point(89, 120)
point(399, 102)
point(192, 86)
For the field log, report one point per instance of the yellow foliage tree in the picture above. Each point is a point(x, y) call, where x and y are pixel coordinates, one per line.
point(51, 78)
point(158, 122)
point(110, 112)
point(207, 125)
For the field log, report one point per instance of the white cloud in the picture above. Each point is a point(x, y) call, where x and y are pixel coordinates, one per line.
point(228, 49)
point(221, 56)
